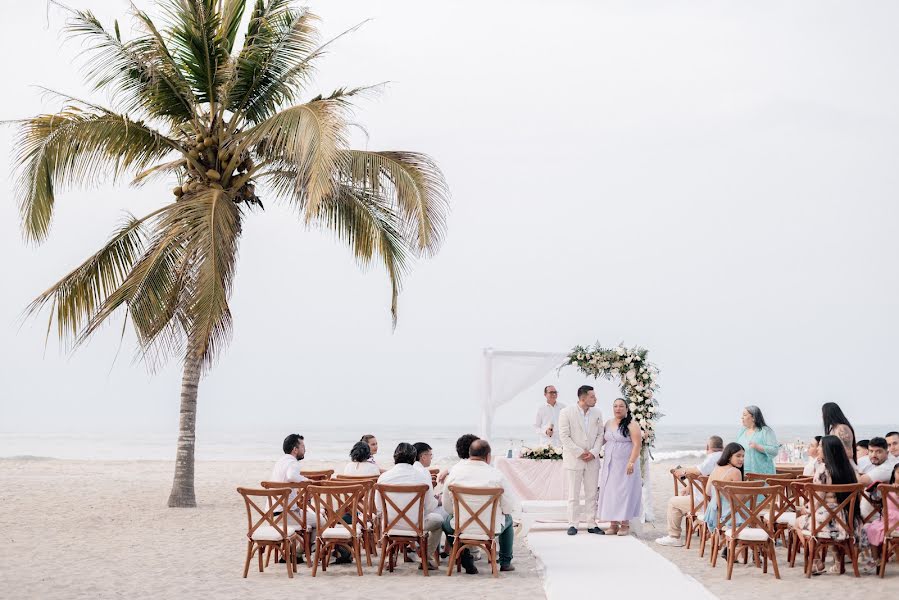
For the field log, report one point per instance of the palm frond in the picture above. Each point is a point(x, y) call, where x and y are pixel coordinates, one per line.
point(138, 73)
point(175, 166)
point(194, 29)
point(309, 139)
point(77, 147)
point(413, 183)
point(232, 14)
point(77, 296)
point(279, 37)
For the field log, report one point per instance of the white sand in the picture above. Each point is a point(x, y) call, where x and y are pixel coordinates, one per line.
point(80, 529)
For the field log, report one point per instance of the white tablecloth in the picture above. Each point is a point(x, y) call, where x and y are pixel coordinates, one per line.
point(534, 479)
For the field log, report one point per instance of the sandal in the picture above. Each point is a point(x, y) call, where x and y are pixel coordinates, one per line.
point(613, 529)
point(818, 568)
point(624, 530)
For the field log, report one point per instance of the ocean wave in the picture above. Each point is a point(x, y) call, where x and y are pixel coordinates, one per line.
point(676, 454)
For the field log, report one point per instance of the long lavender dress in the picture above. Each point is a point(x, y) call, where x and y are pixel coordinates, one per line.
point(620, 494)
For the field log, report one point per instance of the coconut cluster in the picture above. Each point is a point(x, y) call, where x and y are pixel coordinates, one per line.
point(209, 157)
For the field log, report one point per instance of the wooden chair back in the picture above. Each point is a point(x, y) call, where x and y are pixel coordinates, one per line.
point(317, 475)
point(402, 509)
point(696, 485)
point(751, 507)
point(721, 486)
point(332, 502)
point(298, 502)
point(874, 503)
point(769, 477)
point(789, 469)
point(842, 514)
point(259, 517)
point(470, 506)
point(679, 484)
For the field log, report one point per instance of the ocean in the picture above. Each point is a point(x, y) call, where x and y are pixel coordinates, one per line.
point(322, 444)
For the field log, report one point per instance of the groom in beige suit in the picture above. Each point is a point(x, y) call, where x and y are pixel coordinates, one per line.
point(581, 432)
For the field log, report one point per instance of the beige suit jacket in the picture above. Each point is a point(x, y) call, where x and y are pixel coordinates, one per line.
point(575, 440)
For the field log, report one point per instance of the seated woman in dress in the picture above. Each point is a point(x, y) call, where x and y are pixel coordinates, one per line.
point(620, 486)
point(814, 454)
point(836, 423)
point(835, 469)
point(728, 468)
point(359, 463)
point(759, 442)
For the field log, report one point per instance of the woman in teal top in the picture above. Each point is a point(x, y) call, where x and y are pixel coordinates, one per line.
point(759, 441)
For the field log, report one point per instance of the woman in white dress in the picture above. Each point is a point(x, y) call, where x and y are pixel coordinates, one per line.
point(359, 463)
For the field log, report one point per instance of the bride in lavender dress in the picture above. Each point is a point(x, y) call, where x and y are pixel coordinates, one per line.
point(620, 485)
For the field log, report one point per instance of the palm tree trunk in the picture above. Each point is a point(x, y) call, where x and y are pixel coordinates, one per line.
point(183, 486)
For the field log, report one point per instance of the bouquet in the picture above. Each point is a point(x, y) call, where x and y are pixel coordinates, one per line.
point(544, 452)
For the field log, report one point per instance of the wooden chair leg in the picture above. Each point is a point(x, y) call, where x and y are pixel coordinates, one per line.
point(773, 550)
point(453, 557)
point(810, 552)
point(383, 556)
point(246, 566)
point(764, 554)
point(491, 552)
point(731, 557)
point(853, 556)
point(357, 553)
point(319, 554)
point(260, 559)
point(689, 524)
point(423, 553)
point(288, 558)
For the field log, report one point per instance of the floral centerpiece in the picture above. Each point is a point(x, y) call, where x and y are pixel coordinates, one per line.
point(638, 381)
point(543, 452)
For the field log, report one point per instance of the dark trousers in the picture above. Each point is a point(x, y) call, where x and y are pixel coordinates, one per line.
point(506, 538)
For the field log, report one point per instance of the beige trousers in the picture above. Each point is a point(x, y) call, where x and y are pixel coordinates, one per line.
point(678, 506)
point(586, 480)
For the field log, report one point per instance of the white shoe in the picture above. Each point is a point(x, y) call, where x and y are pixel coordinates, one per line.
point(669, 541)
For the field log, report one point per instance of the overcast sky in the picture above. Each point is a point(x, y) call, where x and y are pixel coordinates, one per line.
point(715, 181)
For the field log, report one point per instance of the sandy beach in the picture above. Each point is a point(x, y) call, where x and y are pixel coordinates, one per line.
point(92, 529)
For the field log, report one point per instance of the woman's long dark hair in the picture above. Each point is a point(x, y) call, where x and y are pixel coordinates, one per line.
point(833, 415)
point(757, 417)
point(626, 420)
point(728, 453)
point(893, 474)
point(837, 463)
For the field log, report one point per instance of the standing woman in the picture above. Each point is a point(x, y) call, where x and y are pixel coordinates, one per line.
point(620, 485)
point(836, 423)
point(759, 441)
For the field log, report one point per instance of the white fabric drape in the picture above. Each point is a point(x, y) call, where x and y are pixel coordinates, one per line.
point(507, 374)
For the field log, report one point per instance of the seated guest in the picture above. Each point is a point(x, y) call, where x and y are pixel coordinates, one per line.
point(405, 473)
point(477, 472)
point(881, 465)
point(728, 468)
point(372, 442)
point(423, 456)
point(678, 506)
point(359, 461)
point(462, 446)
point(836, 468)
point(814, 455)
point(287, 469)
point(875, 528)
point(861, 451)
point(893, 442)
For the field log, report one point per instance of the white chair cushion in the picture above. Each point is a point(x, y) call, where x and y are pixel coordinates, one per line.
point(474, 535)
point(267, 533)
point(787, 518)
point(339, 532)
point(749, 534)
point(396, 531)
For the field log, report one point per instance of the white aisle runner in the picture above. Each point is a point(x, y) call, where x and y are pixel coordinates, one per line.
point(607, 566)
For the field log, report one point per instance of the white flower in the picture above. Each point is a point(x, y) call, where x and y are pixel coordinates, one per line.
point(619, 350)
point(632, 376)
point(580, 357)
point(652, 409)
point(614, 372)
point(645, 375)
point(633, 405)
point(639, 388)
point(604, 364)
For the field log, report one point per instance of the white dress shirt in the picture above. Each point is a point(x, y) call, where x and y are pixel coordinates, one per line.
point(864, 464)
point(884, 471)
point(405, 474)
point(709, 463)
point(361, 468)
point(477, 473)
point(422, 468)
point(288, 469)
point(548, 415)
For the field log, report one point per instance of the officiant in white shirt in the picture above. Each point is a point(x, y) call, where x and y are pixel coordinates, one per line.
point(547, 421)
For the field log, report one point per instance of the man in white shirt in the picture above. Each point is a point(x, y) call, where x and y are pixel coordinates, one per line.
point(861, 451)
point(477, 472)
point(547, 421)
point(423, 456)
point(288, 469)
point(405, 473)
point(882, 463)
point(893, 444)
point(581, 436)
point(678, 506)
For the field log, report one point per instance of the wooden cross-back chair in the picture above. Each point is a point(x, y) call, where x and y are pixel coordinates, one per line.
point(869, 500)
point(786, 508)
point(318, 475)
point(747, 529)
point(679, 484)
point(716, 535)
point(331, 503)
point(369, 511)
point(296, 516)
point(789, 469)
point(889, 494)
point(698, 502)
point(264, 529)
point(402, 530)
point(816, 539)
point(471, 529)
point(768, 476)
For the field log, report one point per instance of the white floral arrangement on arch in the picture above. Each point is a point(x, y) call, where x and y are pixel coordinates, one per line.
point(638, 380)
point(542, 452)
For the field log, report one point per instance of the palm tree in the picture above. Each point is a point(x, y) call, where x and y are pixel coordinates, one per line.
point(224, 123)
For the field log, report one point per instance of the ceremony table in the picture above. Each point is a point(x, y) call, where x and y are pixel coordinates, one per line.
point(534, 479)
